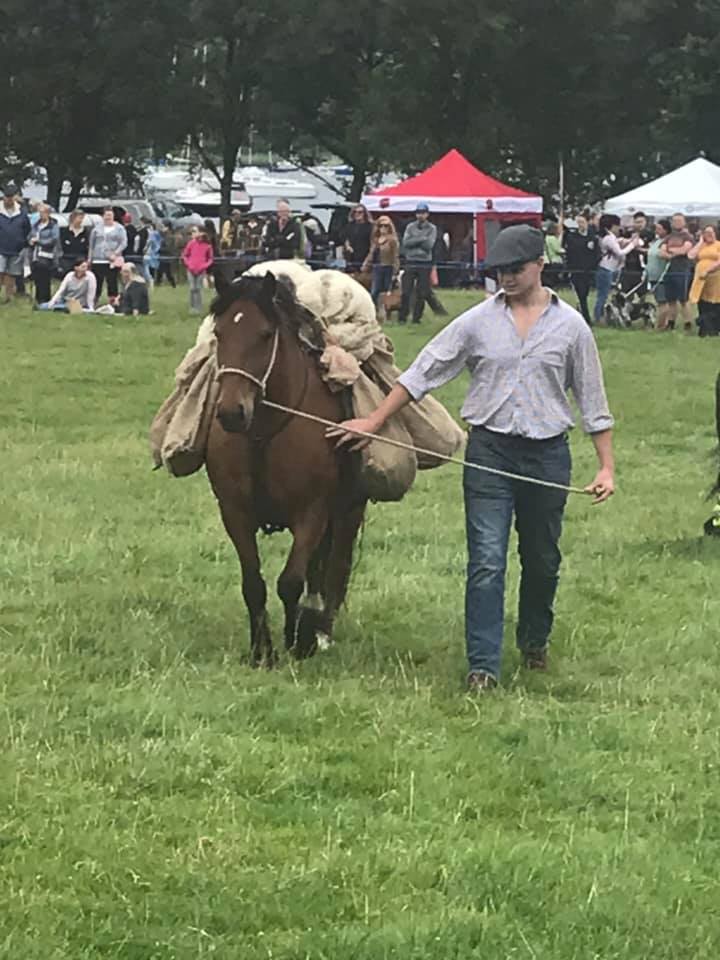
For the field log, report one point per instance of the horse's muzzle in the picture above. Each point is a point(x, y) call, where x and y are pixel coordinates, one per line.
point(237, 420)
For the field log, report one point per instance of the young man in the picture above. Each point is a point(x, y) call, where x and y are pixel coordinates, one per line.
point(417, 248)
point(676, 282)
point(582, 252)
point(14, 234)
point(523, 348)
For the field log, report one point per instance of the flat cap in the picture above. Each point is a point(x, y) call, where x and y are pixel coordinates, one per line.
point(519, 244)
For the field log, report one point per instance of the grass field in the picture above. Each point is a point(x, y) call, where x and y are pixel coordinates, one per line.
point(160, 800)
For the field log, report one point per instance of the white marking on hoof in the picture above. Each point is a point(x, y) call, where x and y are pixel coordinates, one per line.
point(323, 642)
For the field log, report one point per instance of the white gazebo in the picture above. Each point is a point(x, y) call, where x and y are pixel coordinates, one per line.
point(693, 189)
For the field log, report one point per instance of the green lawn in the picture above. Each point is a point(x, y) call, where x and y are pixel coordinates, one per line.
point(158, 799)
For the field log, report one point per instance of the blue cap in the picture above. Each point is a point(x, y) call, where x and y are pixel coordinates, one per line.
point(422, 208)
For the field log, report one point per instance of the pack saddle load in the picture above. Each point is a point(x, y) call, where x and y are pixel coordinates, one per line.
point(355, 355)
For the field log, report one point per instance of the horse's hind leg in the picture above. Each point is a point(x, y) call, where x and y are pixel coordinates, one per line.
point(242, 533)
point(308, 533)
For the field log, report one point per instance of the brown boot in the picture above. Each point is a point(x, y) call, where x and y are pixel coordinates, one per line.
point(535, 659)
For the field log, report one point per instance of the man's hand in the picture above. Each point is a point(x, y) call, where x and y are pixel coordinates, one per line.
point(603, 486)
point(346, 432)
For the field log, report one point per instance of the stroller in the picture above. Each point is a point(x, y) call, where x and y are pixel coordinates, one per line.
point(624, 308)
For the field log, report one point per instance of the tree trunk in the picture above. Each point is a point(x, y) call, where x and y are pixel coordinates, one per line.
point(55, 180)
point(230, 152)
point(75, 191)
point(357, 187)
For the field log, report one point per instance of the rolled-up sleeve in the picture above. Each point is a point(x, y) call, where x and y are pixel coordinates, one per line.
point(441, 361)
point(586, 383)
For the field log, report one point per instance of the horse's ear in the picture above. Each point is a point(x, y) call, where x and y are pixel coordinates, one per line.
point(222, 284)
point(268, 289)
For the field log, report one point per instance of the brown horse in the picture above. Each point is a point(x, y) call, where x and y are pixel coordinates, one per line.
point(270, 470)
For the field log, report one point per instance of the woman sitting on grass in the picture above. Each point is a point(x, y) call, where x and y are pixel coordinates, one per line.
point(78, 286)
point(134, 299)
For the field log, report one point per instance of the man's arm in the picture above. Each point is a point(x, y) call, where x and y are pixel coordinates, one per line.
point(440, 361)
point(603, 486)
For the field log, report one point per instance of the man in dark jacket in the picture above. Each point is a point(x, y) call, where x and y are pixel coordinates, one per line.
point(14, 233)
point(582, 255)
point(417, 247)
point(282, 235)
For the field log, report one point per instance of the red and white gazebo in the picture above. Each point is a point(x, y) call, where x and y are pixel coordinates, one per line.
point(453, 186)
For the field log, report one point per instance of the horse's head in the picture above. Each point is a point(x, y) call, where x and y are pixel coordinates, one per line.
point(247, 330)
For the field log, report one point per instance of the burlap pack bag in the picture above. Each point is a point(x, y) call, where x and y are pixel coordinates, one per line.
point(428, 423)
point(387, 472)
point(179, 431)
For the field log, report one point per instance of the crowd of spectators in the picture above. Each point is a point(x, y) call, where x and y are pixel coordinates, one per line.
point(677, 266)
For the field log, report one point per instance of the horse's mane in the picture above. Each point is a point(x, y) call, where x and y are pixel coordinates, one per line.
point(287, 309)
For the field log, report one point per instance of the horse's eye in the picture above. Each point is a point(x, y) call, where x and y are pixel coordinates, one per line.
point(267, 334)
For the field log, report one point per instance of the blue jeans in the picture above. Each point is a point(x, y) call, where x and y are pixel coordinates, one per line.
point(381, 280)
point(604, 279)
point(490, 501)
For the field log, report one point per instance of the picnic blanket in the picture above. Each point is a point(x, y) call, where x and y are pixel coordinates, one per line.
point(357, 356)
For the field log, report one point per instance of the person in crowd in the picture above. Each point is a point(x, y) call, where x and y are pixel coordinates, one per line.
point(135, 299)
point(45, 246)
point(168, 254)
point(108, 241)
point(249, 240)
point(383, 259)
point(229, 244)
point(675, 250)
point(198, 259)
point(524, 348)
point(74, 241)
point(14, 234)
point(210, 229)
point(282, 237)
point(633, 276)
point(131, 231)
point(78, 284)
point(554, 256)
point(417, 247)
point(316, 240)
point(151, 251)
point(612, 259)
point(356, 238)
point(581, 252)
point(656, 269)
point(705, 289)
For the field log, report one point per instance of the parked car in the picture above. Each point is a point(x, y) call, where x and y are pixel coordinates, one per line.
point(150, 208)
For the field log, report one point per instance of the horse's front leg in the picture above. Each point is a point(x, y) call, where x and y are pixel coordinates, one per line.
point(241, 531)
point(308, 532)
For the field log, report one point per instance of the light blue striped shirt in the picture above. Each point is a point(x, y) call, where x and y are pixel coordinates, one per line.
point(517, 386)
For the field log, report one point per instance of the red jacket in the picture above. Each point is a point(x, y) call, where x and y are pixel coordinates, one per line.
point(198, 256)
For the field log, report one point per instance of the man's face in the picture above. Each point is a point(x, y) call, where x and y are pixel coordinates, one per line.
point(80, 269)
point(422, 215)
point(678, 222)
point(283, 211)
point(521, 278)
point(108, 218)
point(8, 202)
point(582, 224)
point(639, 223)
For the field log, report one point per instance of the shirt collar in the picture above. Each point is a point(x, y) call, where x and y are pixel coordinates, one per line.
point(499, 297)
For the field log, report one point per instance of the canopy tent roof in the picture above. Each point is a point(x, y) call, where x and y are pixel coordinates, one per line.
point(453, 185)
point(693, 189)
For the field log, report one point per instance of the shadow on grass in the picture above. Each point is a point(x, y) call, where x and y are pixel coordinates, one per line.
point(681, 548)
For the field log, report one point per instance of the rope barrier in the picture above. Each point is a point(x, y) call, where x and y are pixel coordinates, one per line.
point(428, 453)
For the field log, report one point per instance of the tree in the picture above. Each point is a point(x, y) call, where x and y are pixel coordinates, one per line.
point(70, 109)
